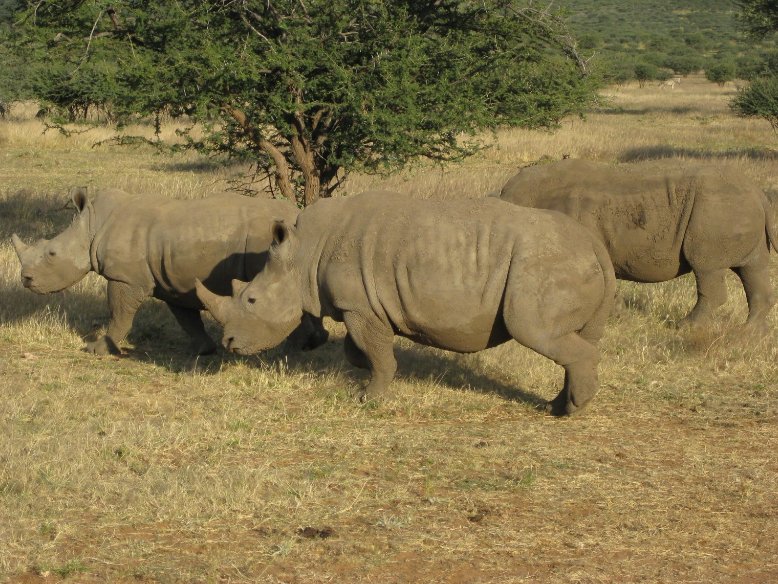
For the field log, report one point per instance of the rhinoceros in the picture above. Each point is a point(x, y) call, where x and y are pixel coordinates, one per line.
point(462, 275)
point(148, 246)
point(662, 220)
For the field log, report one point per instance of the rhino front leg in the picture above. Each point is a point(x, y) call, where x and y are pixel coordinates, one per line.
point(354, 354)
point(373, 347)
point(711, 293)
point(309, 335)
point(192, 323)
point(123, 303)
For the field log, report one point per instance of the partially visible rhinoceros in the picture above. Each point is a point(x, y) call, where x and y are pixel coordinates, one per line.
point(156, 247)
point(660, 220)
point(461, 275)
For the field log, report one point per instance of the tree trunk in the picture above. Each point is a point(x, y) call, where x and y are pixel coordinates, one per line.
point(304, 157)
point(281, 166)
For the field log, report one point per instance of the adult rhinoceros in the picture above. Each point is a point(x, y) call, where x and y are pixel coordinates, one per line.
point(461, 275)
point(156, 247)
point(660, 220)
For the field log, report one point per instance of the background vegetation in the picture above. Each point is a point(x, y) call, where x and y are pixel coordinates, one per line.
point(673, 36)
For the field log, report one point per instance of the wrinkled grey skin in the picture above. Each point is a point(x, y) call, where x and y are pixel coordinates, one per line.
point(156, 247)
point(460, 275)
point(660, 220)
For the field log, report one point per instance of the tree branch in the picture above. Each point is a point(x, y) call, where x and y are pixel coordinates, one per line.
point(281, 174)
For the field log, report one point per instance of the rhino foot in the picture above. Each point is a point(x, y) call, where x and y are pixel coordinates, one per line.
point(317, 339)
point(756, 329)
point(560, 406)
point(103, 346)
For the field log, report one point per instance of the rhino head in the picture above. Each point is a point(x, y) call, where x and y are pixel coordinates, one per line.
point(51, 265)
point(262, 313)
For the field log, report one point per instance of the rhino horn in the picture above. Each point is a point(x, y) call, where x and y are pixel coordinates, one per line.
point(237, 287)
point(19, 245)
point(215, 304)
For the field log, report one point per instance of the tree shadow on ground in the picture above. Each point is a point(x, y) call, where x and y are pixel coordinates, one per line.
point(642, 111)
point(81, 312)
point(665, 151)
point(33, 215)
point(201, 165)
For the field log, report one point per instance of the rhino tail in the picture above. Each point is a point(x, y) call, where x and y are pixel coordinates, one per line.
point(772, 234)
point(593, 330)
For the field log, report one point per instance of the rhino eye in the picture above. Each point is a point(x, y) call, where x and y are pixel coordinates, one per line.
point(52, 253)
point(252, 300)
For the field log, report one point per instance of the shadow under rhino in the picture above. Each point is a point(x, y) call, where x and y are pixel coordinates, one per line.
point(414, 363)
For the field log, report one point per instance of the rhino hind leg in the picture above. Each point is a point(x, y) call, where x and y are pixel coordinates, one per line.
point(192, 323)
point(755, 278)
point(123, 303)
point(579, 357)
point(375, 343)
point(711, 293)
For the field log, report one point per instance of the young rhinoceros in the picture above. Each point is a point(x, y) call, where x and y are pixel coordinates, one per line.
point(461, 275)
point(661, 220)
point(157, 247)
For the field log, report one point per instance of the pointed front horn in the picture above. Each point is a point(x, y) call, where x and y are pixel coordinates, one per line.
point(19, 245)
point(215, 304)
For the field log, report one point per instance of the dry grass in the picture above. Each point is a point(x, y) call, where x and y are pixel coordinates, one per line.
point(156, 467)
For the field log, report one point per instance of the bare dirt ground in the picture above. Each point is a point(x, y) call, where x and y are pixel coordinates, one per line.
point(156, 467)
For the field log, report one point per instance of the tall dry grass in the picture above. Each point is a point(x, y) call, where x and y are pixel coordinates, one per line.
point(162, 468)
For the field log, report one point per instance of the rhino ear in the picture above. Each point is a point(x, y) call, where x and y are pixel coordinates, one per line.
point(79, 197)
point(281, 248)
point(238, 287)
point(214, 303)
point(280, 232)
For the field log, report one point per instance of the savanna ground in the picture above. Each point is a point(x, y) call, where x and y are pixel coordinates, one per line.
point(161, 468)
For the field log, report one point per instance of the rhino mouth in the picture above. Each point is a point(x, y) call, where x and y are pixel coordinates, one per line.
point(233, 345)
point(35, 287)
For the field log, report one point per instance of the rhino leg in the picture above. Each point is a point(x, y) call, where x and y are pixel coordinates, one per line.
point(354, 354)
point(192, 323)
point(756, 282)
point(123, 303)
point(579, 358)
point(711, 293)
point(375, 343)
point(309, 335)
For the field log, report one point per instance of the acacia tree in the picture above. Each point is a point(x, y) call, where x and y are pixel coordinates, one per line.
point(760, 98)
point(310, 90)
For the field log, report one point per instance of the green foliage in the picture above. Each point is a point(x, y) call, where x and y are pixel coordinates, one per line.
point(676, 34)
point(760, 100)
point(760, 17)
point(683, 64)
point(313, 90)
point(645, 72)
point(720, 72)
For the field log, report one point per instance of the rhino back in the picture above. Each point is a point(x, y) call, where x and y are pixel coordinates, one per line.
point(165, 245)
point(435, 271)
point(639, 211)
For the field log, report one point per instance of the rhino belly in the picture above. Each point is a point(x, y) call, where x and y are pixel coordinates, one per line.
point(457, 315)
point(470, 337)
point(646, 266)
